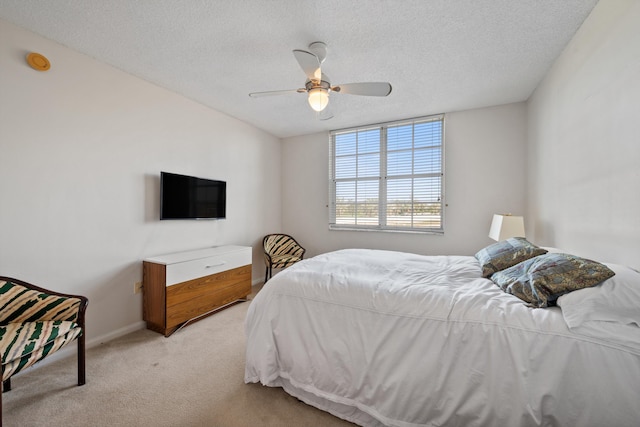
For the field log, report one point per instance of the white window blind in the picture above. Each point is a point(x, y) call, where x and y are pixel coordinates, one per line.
point(388, 176)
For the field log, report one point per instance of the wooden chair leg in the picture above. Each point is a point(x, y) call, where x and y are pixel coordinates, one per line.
point(81, 360)
point(266, 274)
point(6, 385)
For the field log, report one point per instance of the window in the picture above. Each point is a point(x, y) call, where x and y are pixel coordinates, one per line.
point(388, 176)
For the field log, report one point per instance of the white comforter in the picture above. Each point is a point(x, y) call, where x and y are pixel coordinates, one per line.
point(389, 338)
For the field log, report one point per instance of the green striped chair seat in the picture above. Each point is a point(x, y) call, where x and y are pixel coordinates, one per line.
point(35, 323)
point(24, 344)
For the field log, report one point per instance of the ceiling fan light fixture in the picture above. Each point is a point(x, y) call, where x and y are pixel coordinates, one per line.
point(318, 99)
point(318, 86)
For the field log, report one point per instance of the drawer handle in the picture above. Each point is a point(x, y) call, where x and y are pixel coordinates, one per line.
point(216, 265)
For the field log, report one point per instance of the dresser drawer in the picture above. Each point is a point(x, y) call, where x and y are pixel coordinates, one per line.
point(192, 269)
point(191, 299)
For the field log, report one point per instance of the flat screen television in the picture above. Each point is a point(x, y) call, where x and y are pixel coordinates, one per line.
point(189, 197)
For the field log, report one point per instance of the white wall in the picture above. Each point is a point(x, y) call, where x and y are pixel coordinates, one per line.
point(484, 174)
point(81, 149)
point(584, 140)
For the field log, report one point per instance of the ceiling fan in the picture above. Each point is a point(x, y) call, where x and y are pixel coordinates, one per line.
point(318, 86)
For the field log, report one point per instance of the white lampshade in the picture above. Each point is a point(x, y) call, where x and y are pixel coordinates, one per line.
point(504, 226)
point(318, 99)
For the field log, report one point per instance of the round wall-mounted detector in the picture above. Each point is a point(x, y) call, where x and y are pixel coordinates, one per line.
point(38, 62)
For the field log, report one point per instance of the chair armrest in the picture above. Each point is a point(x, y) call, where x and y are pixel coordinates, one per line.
point(298, 251)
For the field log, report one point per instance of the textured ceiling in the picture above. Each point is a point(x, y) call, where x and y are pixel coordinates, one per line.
point(439, 55)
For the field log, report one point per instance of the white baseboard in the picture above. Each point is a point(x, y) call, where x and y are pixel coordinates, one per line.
point(116, 334)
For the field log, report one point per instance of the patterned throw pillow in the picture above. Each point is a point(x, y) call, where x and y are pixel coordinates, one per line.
point(541, 280)
point(506, 253)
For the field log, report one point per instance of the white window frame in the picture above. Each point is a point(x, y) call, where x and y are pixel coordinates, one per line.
point(383, 180)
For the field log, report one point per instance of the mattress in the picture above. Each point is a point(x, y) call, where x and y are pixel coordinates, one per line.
point(397, 339)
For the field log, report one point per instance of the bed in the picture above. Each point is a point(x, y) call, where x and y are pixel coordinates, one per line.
point(397, 339)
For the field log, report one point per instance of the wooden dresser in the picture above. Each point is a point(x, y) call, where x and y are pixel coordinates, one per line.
point(186, 286)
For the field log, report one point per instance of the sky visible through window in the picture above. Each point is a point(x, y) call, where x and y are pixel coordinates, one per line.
point(405, 174)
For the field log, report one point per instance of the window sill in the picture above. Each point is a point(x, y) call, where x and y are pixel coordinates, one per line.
point(386, 230)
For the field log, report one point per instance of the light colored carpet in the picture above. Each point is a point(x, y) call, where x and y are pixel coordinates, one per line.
point(193, 378)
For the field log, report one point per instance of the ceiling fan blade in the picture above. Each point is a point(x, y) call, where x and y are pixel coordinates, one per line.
point(309, 63)
point(366, 89)
point(276, 92)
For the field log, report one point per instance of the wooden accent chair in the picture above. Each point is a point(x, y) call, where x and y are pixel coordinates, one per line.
point(34, 323)
point(280, 251)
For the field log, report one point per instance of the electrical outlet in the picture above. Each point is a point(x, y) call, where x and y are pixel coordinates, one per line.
point(137, 287)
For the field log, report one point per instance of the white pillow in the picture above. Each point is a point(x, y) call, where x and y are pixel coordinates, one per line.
point(617, 299)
